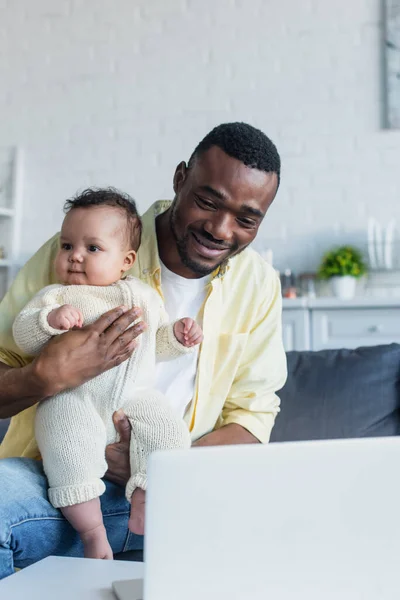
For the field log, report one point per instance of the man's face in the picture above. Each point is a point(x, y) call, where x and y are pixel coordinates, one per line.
point(218, 208)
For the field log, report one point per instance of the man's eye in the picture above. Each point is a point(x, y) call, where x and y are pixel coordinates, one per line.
point(93, 248)
point(249, 223)
point(204, 203)
point(66, 246)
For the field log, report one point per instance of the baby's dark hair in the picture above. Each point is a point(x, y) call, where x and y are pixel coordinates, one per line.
point(111, 197)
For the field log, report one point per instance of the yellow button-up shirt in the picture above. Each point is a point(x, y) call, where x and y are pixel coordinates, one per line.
point(241, 363)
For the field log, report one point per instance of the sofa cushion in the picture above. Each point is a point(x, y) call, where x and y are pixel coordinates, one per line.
point(4, 423)
point(340, 394)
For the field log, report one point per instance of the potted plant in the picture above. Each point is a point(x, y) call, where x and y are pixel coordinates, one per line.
point(343, 266)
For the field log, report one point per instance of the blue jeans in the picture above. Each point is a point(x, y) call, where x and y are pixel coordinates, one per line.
point(31, 529)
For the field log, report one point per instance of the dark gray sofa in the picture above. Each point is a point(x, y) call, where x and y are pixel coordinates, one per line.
point(334, 394)
point(3, 428)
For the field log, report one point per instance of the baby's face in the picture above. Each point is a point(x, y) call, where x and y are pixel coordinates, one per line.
point(93, 247)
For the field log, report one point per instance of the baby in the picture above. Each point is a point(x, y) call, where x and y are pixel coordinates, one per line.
point(99, 239)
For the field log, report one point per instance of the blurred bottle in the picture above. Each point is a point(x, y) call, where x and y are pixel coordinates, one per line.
point(307, 287)
point(288, 283)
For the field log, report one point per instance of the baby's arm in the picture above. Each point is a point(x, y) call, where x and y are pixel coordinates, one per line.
point(31, 328)
point(176, 339)
point(188, 332)
point(65, 317)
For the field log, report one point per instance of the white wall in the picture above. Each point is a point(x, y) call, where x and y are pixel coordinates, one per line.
point(118, 92)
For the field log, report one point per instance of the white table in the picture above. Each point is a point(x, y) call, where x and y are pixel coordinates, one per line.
point(56, 578)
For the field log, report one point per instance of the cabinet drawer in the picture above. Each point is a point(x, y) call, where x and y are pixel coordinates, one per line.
point(349, 328)
point(296, 329)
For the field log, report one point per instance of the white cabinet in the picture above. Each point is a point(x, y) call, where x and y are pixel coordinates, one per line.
point(296, 329)
point(329, 323)
point(349, 328)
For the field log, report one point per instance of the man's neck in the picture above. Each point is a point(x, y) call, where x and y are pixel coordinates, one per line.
point(167, 248)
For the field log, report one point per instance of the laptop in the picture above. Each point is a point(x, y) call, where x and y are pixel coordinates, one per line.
point(306, 520)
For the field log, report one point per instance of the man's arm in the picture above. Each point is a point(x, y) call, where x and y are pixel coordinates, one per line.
point(69, 360)
point(252, 402)
point(227, 435)
point(19, 389)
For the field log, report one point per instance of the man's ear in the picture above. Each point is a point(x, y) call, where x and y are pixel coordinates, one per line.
point(129, 261)
point(180, 176)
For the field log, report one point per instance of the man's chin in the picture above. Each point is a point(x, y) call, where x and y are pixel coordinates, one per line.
point(202, 268)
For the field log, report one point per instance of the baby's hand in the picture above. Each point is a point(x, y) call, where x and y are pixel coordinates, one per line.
point(188, 332)
point(66, 317)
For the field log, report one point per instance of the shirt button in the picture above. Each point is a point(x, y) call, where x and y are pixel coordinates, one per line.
point(145, 271)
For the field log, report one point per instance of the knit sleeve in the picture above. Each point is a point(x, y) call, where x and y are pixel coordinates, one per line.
point(31, 329)
point(167, 346)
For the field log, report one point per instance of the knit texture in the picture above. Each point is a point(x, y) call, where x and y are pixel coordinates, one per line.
point(170, 433)
point(73, 428)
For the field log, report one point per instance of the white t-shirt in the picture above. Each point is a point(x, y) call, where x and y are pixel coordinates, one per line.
point(183, 298)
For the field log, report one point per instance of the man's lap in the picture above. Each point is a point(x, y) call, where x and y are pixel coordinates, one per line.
point(31, 528)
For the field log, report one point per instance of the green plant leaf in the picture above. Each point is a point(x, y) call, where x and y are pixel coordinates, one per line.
point(342, 261)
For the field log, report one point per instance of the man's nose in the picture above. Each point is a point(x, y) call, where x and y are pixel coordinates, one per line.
point(220, 227)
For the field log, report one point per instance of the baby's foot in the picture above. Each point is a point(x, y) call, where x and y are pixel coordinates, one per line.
point(95, 543)
point(138, 505)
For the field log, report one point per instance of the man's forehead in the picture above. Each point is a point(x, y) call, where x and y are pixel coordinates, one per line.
point(217, 164)
point(229, 177)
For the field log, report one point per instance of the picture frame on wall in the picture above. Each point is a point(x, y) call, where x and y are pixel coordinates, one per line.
point(392, 62)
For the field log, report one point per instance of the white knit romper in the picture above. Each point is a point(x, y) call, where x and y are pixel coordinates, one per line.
point(73, 428)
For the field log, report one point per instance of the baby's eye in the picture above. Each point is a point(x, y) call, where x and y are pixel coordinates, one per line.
point(66, 246)
point(93, 248)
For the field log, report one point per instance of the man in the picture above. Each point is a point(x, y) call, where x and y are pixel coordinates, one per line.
point(194, 253)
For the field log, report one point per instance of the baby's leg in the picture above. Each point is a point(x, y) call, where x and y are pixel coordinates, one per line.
point(154, 427)
point(87, 520)
point(72, 439)
point(138, 512)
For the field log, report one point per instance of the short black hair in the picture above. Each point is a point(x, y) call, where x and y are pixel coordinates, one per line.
point(110, 197)
point(245, 143)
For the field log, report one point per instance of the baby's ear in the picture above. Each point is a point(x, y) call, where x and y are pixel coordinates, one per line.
point(129, 260)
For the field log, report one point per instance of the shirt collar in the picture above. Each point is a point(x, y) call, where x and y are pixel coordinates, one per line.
point(148, 257)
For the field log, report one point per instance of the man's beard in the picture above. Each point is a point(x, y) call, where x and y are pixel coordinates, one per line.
point(181, 244)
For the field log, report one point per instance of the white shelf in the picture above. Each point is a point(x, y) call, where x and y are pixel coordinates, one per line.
point(6, 212)
point(324, 302)
point(10, 213)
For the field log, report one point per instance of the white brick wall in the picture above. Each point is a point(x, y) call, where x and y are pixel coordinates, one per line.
point(118, 92)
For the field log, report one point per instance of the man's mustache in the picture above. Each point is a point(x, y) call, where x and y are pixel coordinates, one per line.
point(210, 238)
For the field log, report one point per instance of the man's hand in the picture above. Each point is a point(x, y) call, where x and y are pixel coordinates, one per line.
point(117, 455)
point(71, 359)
